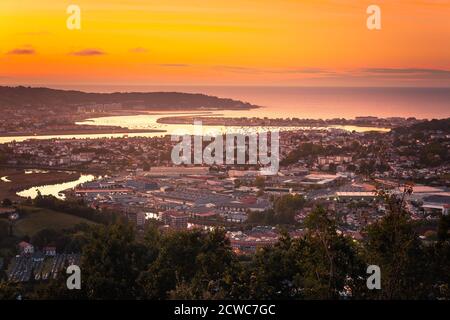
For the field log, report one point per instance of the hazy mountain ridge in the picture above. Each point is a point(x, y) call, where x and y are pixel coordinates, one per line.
point(31, 96)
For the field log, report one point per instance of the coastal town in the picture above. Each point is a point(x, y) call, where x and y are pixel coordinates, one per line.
point(241, 159)
point(339, 169)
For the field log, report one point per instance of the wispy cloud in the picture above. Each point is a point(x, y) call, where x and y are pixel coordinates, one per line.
point(174, 65)
point(27, 50)
point(139, 50)
point(417, 71)
point(87, 53)
point(302, 71)
point(239, 69)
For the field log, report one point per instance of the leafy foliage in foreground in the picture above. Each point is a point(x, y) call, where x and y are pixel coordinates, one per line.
point(322, 264)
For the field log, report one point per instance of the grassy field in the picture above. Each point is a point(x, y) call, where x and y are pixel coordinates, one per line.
point(37, 219)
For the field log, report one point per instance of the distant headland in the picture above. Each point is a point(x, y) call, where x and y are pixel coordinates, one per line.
point(45, 97)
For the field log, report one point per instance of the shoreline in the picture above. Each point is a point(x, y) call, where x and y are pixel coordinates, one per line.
point(188, 120)
point(21, 181)
point(83, 131)
point(259, 122)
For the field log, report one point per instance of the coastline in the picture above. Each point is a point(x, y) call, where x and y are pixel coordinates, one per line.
point(85, 129)
point(259, 122)
point(21, 181)
point(81, 131)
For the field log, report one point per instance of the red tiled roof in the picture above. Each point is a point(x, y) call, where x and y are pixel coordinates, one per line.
point(176, 214)
point(24, 244)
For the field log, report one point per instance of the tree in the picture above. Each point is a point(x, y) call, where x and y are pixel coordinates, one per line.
point(332, 265)
point(434, 154)
point(286, 208)
point(367, 168)
point(10, 291)
point(4, 229)
point(46, 237)
point(260, 182)
point(146, 166)
point(189, 263)
point(320, 265)
point(304, 151)
point(152, 242)
point(444, 228)
point(273, 271)
point(56, 289)
point(394, 246)
point(111, 262)
point(439, 256)
point(266, 217)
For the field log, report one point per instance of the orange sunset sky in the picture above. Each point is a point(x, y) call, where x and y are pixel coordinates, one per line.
point(239, 42)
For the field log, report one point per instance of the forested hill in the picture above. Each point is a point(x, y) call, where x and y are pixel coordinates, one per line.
point(431, 125)
point(29, 97)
